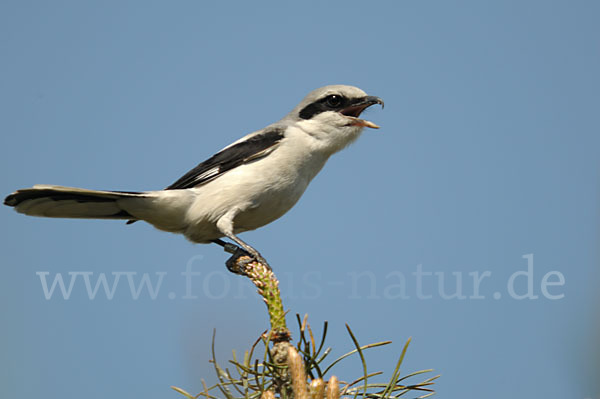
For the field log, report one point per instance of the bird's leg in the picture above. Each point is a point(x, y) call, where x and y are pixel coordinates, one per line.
point(233, 262)
point(237, 252)
point(253, 252)
point(227, 246)
point(225, 226)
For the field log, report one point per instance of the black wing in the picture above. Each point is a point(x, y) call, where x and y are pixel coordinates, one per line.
point(238, 154)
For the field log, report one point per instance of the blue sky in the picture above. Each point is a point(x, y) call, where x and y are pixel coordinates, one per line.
point(486, 165)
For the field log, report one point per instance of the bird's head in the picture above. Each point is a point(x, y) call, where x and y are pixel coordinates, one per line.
point(331, 114)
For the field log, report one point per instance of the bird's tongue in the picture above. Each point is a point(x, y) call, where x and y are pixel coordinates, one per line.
point(362, 122)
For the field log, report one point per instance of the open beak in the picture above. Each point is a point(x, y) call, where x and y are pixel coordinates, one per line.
point(354, 110)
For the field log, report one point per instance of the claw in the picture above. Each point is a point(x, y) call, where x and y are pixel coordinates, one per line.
point(234, 263)
point(238, 266)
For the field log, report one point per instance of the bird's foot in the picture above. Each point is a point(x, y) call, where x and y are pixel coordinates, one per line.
point(237, 265)
point(259, 258)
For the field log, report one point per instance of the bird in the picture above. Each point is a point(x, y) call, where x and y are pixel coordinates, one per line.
point(248, 184)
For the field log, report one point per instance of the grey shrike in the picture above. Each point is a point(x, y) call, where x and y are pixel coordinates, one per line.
point(247, 185)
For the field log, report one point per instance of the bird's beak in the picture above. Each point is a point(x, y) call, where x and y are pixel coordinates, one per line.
point(354, 110)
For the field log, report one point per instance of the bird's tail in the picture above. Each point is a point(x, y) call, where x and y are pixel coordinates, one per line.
point(69, 202)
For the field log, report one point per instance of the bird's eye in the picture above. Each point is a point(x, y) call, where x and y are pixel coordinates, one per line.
point(334, 100)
